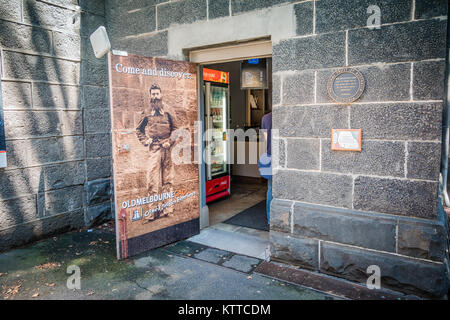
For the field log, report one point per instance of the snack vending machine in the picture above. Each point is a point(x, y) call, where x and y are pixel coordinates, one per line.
point(217, 144)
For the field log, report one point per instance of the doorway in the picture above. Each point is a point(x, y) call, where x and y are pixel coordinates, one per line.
point(237, 220)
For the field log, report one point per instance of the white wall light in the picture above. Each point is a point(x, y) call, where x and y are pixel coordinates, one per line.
point(100, 42)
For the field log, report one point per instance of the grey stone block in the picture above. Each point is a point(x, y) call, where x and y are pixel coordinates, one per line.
point(303, 154)
point(97, 120)
point(11, 10)
point(19, 182)
point(71, 122)
point(298, 88)
point(218, 8)
point(280, 215)
point(47, 15)
point(98, 145)
point(313, 187)
point(29, 67)
point(424, 159)
point(93, 6)
point(95, 97)
point(16, 156)
point(94, 73)
point(123, 23)
point(131, 4)
point(421, 239)
point(276, 89)
point(66, 45)
point(90, 22)
point(154, 45)
point(383, 83)
point(98, 214)
point(383, 158)
point(35, 230)
point(429, 80)
point(314, 52)
point(98, 168)
point(60, 201)
point(241, 263)
point(17, 211)
point(16, 95)
point(304, 17)
point(309, 121)
point(21, 37)
point(27, 124)
point(180, 12)
point(212, 255)
point(98, 191)
point(50, 96)
point(345, 226)
point(399, 197)
point(63, 175)
point(425, 9)
point(55, 149)
point(402, 274)
point(298, 251)
point(403, 121)
point(417, 40)
point(281, 153)
point(242, 6)
point(336, 15)
point(71, 4)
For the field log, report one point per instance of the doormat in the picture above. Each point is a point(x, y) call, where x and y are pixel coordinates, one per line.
point(254, 217)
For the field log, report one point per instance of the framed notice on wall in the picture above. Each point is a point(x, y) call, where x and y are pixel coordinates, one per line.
point(254, 74)
point(156, 178)
point(346, 139)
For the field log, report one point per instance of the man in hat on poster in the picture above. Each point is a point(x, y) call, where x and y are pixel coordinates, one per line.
point(154, 131)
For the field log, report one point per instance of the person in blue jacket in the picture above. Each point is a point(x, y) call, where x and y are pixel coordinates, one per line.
point(265, 161)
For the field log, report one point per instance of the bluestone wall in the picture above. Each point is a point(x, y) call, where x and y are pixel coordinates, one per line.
point(55, 103)
point(333, 212)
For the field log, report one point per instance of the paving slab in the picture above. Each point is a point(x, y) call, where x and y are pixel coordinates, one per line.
point(241, 263)
point(236, 242)
point(40, 271)
point(213, 255)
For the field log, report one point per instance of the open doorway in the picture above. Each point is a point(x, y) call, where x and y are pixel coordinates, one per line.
point(236, 194)
point(245, 202)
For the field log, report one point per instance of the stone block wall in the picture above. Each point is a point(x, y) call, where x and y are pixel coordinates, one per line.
point(339, 212)
point(333, 212)
point(55, 102)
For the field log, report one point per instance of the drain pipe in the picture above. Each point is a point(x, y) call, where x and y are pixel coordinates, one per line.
point(445, 128)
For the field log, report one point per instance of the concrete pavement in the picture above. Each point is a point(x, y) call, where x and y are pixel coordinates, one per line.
point(184, 270)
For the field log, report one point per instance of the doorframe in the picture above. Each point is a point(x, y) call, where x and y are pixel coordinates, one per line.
point(219, 53)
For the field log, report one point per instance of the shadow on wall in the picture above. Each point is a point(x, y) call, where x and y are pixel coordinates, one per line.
point(44, 183)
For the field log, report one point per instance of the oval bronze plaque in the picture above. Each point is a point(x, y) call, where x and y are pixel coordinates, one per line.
point(346, 85)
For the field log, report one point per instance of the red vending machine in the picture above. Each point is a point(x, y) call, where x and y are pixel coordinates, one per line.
point(217, 150)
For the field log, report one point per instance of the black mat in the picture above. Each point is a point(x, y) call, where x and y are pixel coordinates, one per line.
point(254, 217)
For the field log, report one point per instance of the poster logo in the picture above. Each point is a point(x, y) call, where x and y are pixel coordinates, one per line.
point(136, 215)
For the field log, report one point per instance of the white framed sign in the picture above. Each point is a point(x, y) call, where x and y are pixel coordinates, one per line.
point(346, 139)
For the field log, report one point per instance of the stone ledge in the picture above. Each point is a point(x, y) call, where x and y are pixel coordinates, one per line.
point(327, 283)
point(408, 275)
point(368, 230)
point(299, 251)
point(422, 239)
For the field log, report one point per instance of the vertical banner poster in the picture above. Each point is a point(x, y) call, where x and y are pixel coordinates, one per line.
point(156, 178)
